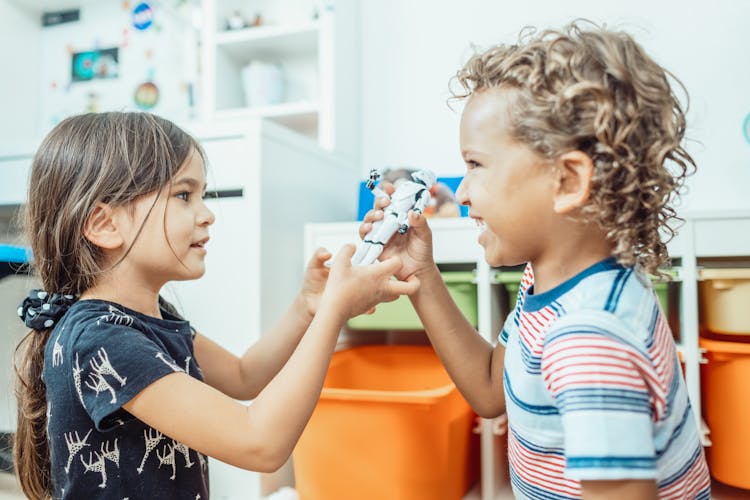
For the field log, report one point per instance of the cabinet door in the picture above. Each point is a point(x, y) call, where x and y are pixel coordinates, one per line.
point(224, 306)
point(14, 172)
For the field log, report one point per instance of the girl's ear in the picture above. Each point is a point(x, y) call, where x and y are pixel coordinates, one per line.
point(101, 228)
point(574, 173)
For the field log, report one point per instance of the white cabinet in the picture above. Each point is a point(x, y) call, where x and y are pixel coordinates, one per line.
point(14, 172)
point(270, 182)
point(312, 43)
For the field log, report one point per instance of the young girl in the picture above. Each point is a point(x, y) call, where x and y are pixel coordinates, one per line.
point(118, 396)
point(572, 144)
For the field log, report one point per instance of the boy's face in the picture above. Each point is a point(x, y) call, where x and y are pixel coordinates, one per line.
point(180, 220)
point(507, 186)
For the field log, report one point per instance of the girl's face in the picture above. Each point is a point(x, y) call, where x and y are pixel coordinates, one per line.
point(507, 186)
point(171, 245)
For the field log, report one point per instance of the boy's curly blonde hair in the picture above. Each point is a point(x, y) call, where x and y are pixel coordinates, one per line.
point(597, 91)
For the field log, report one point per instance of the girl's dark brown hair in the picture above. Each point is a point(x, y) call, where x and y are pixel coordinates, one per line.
point(595, 90)
point(113, 158)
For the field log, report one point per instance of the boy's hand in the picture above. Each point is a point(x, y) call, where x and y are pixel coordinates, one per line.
point(413, 248)
point(315, 279)
point(353, 290)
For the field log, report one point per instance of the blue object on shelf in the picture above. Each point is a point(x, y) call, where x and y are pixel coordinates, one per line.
point(366, 198)
point(14, 254)
point(13, 260)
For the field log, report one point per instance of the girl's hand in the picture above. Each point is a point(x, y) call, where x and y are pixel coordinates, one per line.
point(314, 283)
point(413, 248)
point(351, 291)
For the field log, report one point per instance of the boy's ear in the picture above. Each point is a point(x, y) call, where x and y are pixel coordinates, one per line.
point(101, 228)
point(574, 173)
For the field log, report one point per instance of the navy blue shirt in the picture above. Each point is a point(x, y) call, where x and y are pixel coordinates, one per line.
point(99, 356)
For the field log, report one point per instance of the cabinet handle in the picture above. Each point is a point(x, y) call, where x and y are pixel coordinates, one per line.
point(224, 193)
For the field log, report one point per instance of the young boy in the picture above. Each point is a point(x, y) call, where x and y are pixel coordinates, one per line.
point(572, 144)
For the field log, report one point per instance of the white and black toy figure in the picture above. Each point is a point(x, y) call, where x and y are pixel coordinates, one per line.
point(409, 195)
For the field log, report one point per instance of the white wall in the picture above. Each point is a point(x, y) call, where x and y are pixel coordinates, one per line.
point(20, 51)
point(35, 83)
point(412, 48)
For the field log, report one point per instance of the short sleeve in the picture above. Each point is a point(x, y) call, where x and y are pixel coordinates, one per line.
point(600, 382)
point(113, 362)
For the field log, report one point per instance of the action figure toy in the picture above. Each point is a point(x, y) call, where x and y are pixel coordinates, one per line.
point(409, 195)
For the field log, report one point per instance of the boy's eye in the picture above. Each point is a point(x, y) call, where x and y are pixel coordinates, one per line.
point(470, 164)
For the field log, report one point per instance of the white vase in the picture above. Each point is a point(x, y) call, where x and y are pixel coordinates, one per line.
point(263, 84)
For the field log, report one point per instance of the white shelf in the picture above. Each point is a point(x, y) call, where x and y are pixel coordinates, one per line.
point(269, 41)
point(315, 45)
point(283, 110)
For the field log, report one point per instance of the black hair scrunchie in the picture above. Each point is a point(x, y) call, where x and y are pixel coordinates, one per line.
point(42, 310)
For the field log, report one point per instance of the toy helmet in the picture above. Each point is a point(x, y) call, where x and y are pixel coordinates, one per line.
point(425, 176)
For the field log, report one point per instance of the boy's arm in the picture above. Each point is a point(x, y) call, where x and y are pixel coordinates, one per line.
point(619, 490)
point(473, 364)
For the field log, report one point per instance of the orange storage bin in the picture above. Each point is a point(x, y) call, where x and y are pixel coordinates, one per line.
point(726, 409)
point(390, 424)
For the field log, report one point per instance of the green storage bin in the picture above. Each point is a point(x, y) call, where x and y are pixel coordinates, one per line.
point(512, 281)
point(400, 314)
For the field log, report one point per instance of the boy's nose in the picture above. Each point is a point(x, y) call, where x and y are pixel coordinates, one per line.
point(461, 193)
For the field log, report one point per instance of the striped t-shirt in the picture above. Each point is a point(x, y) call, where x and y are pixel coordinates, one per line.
point(594, 389)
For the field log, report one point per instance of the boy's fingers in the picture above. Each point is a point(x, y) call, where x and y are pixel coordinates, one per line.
point(382, 202)
point(373, 215)
point(364, 228)
point(415, 219)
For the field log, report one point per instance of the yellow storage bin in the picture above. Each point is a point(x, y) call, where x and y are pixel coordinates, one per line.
point(724, 299)
point(400, 315)
point(389, 425)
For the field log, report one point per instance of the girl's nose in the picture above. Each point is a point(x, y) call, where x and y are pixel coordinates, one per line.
point(206, 216)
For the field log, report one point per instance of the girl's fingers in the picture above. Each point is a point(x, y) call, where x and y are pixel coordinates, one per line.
point(344, 255)
point(389, 266)
point(322, 255)
point(404, 287)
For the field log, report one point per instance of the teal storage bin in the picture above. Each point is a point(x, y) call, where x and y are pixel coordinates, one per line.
point(400, 314)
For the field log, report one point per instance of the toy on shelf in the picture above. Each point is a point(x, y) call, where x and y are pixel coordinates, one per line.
point(409, 195)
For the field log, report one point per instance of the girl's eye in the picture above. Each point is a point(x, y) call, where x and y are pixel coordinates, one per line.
point(184, 196)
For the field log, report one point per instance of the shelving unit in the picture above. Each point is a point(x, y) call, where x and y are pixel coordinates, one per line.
point(315, 44)
point(703, 235)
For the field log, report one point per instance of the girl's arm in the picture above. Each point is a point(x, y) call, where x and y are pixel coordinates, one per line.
point(262, 436)
point(244, 377)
